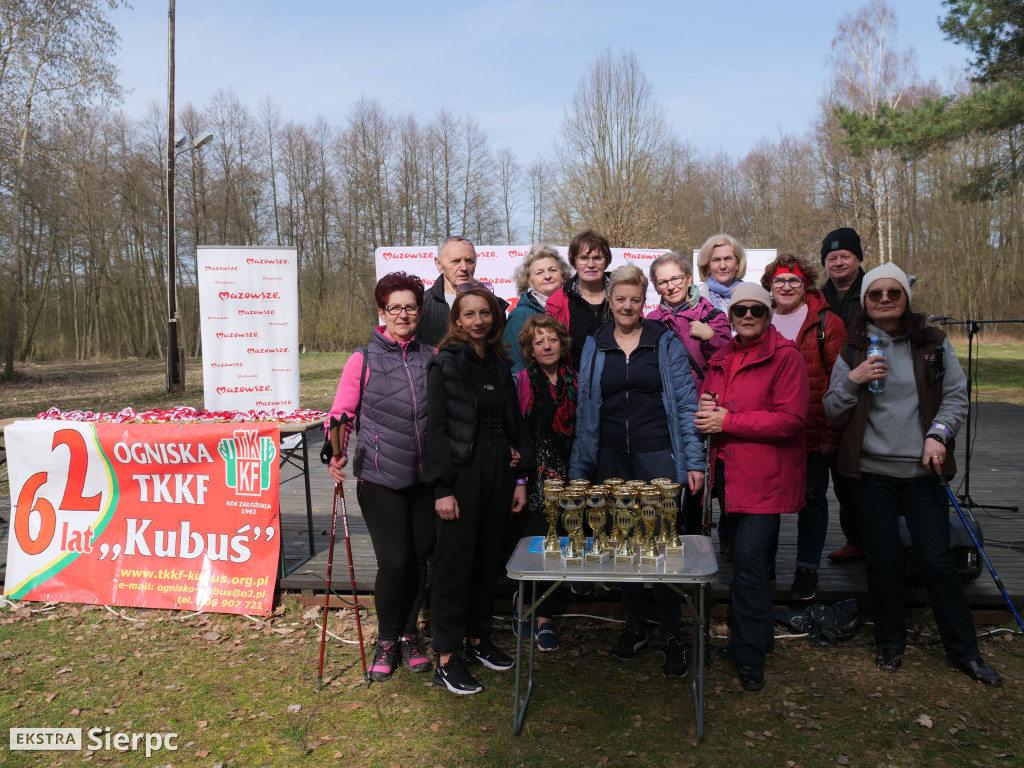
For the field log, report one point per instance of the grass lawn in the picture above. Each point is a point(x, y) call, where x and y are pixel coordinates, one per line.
point(241, 692)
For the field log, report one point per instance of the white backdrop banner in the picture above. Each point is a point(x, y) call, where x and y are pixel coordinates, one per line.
point(495, 264)
point(249, 313)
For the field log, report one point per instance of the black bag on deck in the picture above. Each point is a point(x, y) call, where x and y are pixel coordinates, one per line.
point(965, 554)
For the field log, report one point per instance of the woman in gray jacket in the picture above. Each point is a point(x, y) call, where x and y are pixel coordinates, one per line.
point(894, 443)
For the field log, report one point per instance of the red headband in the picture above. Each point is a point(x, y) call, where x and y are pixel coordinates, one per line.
point(790, 270)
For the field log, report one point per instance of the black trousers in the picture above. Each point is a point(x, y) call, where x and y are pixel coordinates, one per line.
point(468, 553)
point(401, 525)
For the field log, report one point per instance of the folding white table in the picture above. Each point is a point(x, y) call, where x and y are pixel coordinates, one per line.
point(689, 575)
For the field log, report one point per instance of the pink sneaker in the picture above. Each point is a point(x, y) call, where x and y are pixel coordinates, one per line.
point(413, 658)
point(384, 658)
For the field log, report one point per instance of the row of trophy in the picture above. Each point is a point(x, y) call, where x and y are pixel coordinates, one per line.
point(643, 521)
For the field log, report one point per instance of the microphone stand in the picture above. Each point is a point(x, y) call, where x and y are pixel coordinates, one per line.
point(973, 327)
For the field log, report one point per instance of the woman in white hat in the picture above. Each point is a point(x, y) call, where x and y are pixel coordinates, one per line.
point(754, 406)
point(895, 442)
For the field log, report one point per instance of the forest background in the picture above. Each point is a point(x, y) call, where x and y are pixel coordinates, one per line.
point(931, 180)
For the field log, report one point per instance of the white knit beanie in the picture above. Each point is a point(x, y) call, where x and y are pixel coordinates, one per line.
point(751, 292)
point(889, 270)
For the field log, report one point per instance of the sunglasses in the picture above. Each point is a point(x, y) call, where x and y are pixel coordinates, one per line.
point(757, 311)
point(893, 294)
point(463, 287)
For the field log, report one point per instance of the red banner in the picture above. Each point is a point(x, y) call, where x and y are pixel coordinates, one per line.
point(156, 516)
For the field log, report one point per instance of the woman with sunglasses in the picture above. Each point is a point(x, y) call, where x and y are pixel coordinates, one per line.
point(634, 420)
point(895, 443)
point(386, 384)
point(802, 316)
point(754, 405)
point(701, 328)
point(478, 459)
point(581, 304)
point(722, 263)
point(541, 274)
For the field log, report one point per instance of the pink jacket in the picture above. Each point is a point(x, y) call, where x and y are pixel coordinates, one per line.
point(764, 388)
point(700, 352)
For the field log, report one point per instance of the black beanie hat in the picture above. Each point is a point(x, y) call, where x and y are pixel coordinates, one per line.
point(842, 239)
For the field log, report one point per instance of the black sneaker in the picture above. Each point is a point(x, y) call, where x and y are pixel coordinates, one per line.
point(675, 657)
point(629, 644)
point(804, 584)
point(455, 677)
point(488, 654)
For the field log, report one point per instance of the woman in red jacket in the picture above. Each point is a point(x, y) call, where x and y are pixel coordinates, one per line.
point(802, 316)
point(754, 406)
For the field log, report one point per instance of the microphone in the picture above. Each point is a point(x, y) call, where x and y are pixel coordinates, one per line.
point(939, 318)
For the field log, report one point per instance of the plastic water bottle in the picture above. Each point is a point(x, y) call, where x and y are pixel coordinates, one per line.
point(875, 348)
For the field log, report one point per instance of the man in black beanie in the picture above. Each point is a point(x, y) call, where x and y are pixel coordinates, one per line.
point(841, 255)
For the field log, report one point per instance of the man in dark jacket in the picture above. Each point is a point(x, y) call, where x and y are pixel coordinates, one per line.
point(456, 261)
point(841, 255)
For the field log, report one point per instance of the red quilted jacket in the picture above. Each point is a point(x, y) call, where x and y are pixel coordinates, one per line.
point(820, 430)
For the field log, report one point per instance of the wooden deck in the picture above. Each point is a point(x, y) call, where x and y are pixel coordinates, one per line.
point(997, 478)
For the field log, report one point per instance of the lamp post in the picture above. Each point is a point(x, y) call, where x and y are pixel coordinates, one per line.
point(175, 144)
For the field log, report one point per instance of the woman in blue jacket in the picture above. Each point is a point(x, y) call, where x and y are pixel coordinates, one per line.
point(634, 420)
point(539, 276)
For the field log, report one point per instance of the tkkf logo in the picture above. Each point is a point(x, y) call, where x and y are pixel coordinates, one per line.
point(247, 460)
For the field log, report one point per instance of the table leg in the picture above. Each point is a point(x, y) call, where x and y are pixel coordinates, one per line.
point(521, 702)
point(698, 649)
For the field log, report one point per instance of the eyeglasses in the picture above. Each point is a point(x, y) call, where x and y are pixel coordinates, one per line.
point(663, 284)
point(590, 259)
point(893, 294)
point(463, 287)
point(757, 311)
point(396, 309)
point(787, 282)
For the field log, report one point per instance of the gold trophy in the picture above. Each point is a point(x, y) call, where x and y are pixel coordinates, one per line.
point(597, 515)
point(624, 523)
point(650, 500)
point(670, 511)
point(636, 538)
point(571, 500)
point(613, 484)
point(552, 546)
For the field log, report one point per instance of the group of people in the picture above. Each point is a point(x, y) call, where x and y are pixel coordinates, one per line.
point(752, 393)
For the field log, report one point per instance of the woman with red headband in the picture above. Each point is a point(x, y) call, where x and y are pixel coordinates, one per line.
point(802, 316)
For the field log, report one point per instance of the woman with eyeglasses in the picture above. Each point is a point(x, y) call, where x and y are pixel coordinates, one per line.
point(541, 274)
point(722, 263)
point(386, 384)
point(701, 328)
point(895, 443)
point(581, 305)
point(802, 316)
point(478, 460)
point(634, 420)
point(754, 404)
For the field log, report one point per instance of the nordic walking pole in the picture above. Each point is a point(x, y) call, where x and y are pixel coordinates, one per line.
point(981, 550)
point(327, 589)
point(706, 528)
point(352, 575)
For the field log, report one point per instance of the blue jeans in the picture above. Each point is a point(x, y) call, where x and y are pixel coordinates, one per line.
point(812, 520)
point(753, 626)
point(880, 501)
